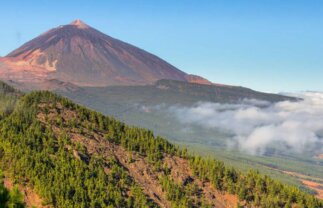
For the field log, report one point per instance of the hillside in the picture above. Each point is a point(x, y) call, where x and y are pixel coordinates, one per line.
point(152, 107)
point(71, 156)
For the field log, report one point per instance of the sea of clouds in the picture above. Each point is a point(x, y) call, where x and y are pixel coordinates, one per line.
point(257, 125)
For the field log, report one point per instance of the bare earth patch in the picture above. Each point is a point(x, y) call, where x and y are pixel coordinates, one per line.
point(318, 187)
point(30, 197)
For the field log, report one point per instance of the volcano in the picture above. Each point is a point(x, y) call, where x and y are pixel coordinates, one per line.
point(79, 54)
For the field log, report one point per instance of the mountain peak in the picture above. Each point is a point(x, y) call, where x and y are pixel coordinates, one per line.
point(79, 23)
point(81, 55)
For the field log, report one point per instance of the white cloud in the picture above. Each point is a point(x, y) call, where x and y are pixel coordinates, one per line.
point(258, 125)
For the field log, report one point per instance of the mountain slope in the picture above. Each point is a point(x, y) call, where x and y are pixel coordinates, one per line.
point(177, 92)
point(72, 156)
point(153, 107)
point(80, 54)
point(85, 152)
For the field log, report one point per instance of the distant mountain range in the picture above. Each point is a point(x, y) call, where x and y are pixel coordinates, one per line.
point(81, 55)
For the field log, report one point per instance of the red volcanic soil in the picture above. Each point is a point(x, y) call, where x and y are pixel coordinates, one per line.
point(197, 79)
point(81, 55)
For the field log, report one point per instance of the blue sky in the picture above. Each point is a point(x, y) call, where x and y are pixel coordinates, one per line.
point(268, 45)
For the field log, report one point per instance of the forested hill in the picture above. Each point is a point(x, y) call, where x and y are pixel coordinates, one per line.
point(73, 157)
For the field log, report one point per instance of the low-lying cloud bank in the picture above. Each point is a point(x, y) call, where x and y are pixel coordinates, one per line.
point(258, 126)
